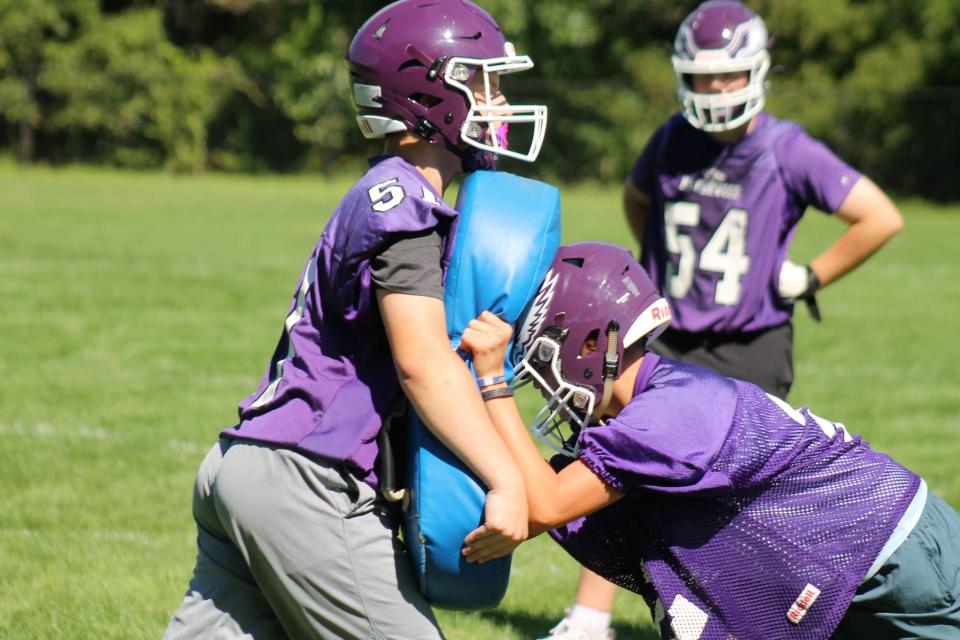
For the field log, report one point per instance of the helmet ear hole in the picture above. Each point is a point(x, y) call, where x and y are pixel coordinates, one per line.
point(590, 343)
point(425, 100)
point(412, 62)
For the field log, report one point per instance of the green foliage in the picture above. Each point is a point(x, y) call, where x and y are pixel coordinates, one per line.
point(603, 68)
point(142, 99)
point(28, 29)
point(255, 85)
point(877, 81)
point(308, 77)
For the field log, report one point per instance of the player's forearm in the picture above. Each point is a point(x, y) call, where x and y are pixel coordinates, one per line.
point(442, 389)
point(860, 241)
point(445, 396)
point(541, 481)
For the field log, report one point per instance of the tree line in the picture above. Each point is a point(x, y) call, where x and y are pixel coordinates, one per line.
point(261, 85)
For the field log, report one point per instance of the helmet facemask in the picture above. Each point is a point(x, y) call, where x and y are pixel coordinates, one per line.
point(569, 407)
point(715, 112)
point(485, 126)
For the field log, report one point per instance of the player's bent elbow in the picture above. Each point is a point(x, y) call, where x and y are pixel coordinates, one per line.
point(894, 223)
point(423, 365)
point(543, 516)
point(410, 370)
point(886, 226)
point(876, 207)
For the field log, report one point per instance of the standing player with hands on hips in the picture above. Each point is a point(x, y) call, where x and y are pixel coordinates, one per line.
point(294, 537)
point(715, 197)
point(732, 513)
point(714, 200)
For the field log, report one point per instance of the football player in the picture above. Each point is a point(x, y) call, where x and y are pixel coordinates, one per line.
point(732, 513)
point(294, 538)
point(714, 200)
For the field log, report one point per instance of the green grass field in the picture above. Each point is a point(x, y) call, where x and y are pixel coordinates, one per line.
point(136, 310)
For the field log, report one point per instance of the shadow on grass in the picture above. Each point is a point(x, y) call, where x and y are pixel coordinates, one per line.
point(537, 626)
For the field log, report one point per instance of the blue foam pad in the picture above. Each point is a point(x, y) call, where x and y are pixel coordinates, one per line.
point(508, 234)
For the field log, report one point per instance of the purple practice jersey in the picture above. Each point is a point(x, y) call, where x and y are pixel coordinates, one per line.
point(331, 382)
point(722, 217)
point(742, 517)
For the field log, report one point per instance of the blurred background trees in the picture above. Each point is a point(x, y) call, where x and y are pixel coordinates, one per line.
point(260, 85)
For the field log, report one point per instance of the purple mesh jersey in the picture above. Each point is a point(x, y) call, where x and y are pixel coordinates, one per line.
point(331, 381)
point(739, 510)
point(722, 217)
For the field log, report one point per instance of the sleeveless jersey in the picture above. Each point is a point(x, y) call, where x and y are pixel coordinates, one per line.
point(331, 381)
point(739, 512)
point(722, 217)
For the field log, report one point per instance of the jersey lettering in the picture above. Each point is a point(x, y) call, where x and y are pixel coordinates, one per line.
point(678, 214)
point(725, 253)
point(386, 195)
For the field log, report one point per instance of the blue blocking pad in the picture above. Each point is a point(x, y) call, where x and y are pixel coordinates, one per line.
point(508, 234)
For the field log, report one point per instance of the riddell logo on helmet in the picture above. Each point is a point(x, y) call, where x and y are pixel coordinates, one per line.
point(661, 312)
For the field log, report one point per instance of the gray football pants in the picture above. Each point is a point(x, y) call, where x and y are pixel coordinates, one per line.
point(288, 547)
point(916, 593)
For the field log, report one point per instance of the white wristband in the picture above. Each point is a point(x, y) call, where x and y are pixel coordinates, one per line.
point(489, 381)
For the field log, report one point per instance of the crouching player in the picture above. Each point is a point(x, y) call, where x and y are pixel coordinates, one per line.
point(732, 513)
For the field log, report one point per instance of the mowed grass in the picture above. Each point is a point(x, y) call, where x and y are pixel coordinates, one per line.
point(136, 310)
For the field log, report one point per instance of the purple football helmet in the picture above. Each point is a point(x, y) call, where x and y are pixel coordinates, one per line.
point(594, 291)
point(721, 36)
point(413, 64)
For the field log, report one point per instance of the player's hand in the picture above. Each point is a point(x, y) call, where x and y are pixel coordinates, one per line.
point(486, 338)
point(504, 527)
point(796, 281)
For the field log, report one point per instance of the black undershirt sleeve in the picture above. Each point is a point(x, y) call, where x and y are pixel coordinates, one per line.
point(411, 265)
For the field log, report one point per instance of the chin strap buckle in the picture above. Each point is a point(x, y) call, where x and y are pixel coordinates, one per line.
point(611, 363)
point(425, 129)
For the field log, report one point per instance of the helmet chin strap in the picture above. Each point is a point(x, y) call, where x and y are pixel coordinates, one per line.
point(611, 362)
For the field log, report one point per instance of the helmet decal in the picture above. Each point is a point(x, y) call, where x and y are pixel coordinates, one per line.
point(535, 317)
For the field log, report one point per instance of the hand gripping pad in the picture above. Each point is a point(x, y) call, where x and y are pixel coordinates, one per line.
point(508, 234)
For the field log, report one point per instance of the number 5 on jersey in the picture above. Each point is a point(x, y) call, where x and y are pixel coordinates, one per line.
point(725, 253)
point(386, 195)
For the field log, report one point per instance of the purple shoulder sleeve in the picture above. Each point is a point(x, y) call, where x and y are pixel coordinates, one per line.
point(812, 171)
point(415, 208)
point(667, 438)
